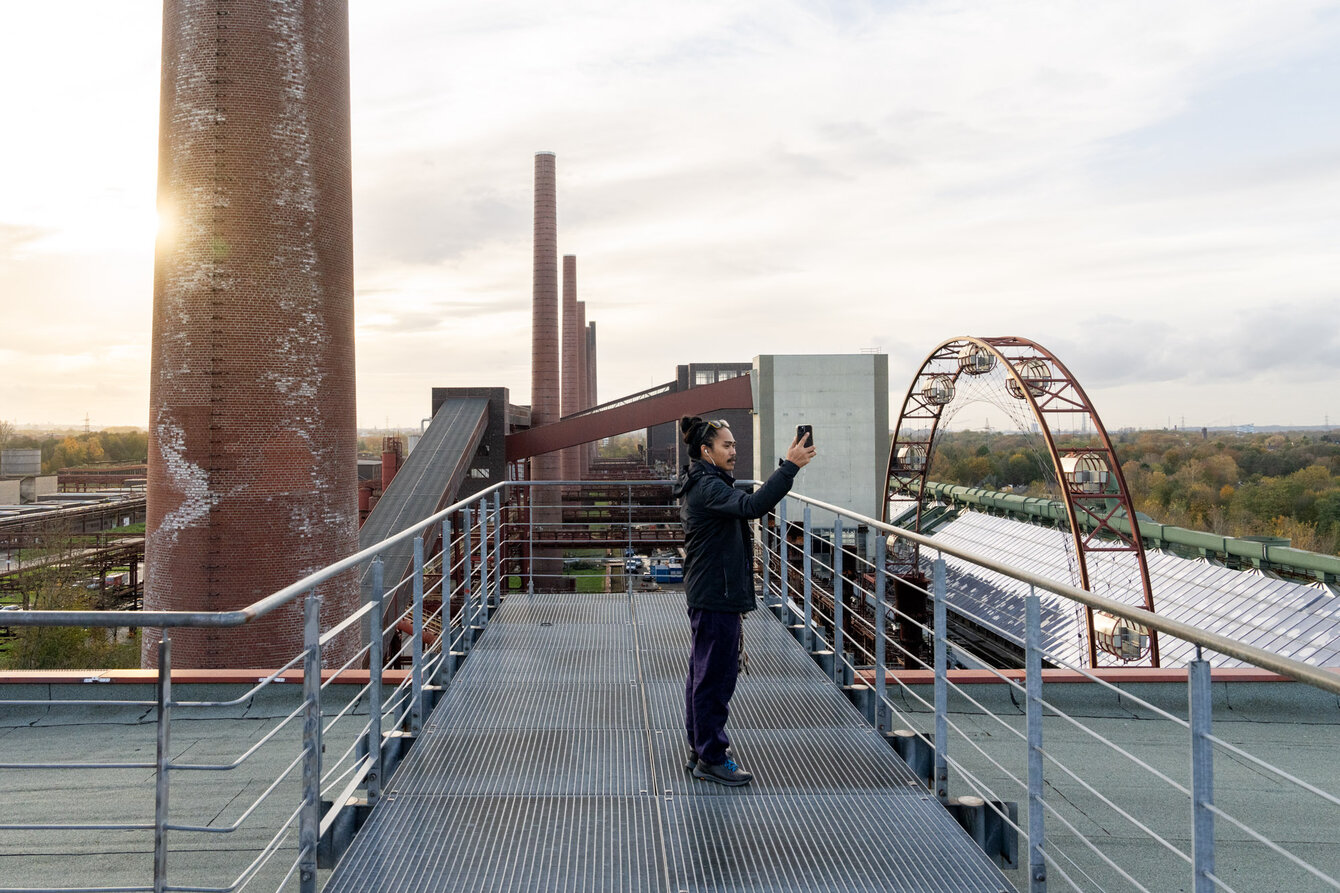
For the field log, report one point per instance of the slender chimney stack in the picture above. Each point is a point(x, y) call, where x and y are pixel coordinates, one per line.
point(546, 564)
point(252, 438)
point(591, 374)
point(544, 358)
point(573, 376)
point(583, 384)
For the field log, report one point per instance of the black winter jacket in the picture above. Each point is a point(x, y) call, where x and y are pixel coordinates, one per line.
point(718, 547)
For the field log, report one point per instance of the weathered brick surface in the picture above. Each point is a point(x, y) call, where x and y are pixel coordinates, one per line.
point(572, 370)
point(545, 386)
point(583, 388)
point(591, 365)
point(544, 359)
point(252, 467)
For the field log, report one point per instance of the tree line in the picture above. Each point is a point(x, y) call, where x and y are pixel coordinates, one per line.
point(1258, 484)
point(60, 451)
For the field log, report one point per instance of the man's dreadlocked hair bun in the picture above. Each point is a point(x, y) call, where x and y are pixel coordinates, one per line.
point(690, 428)
point(697, 433)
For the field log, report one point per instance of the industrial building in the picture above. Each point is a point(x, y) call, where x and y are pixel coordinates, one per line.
point(426, 702)
point(665, 447)
point(21, 478)
point(846, 400)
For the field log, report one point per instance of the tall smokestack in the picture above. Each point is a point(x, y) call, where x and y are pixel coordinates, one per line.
point(544, 357)
point(546, 564)
point(573, 337)
point(252, 465)
point(591, 372)
point(583, 384)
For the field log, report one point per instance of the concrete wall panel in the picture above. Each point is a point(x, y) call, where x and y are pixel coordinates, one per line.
point(846, 398)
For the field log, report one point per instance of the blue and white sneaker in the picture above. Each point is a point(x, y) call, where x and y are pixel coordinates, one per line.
point(691, 758)
point(727, 773)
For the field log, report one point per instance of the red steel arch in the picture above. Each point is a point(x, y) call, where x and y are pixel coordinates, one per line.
point(1091, 480)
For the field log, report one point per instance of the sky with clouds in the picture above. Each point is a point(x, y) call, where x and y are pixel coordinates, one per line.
point(1150, 189)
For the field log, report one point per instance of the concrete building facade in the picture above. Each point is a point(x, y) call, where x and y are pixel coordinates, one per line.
point(846, 398)
point(252, 463)
point(20, 463)
point(21, 478)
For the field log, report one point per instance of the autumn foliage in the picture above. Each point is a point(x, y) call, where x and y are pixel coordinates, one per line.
point(1260, 484)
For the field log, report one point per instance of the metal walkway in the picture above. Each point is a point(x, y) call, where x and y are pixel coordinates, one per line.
point(555, 762)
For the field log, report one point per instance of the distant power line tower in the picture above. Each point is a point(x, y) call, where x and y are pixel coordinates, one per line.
point(252, 459)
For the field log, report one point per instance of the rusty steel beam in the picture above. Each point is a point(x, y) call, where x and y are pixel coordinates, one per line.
point(733, 393)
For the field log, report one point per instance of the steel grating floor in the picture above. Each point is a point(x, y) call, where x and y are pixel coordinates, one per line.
point(554, 762)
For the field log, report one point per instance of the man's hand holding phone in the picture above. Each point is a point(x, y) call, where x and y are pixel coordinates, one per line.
point(802, 448)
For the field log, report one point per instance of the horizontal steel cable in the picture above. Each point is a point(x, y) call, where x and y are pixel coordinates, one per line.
point(1270, 844)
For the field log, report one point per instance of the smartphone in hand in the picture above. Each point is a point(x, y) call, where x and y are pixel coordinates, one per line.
point(805, 435)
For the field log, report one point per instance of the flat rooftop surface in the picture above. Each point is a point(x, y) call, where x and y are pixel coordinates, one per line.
point(555, 762)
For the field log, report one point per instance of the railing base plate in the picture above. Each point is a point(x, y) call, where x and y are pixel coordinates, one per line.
point(341, 832)
point(988, 829)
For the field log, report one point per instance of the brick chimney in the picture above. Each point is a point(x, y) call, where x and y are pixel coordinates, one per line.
point(583, 385)
point(573, 377)
point(544, 357)
point(252, 464)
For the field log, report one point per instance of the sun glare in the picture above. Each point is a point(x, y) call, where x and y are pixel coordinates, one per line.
point(162, 224)
point(111, 228)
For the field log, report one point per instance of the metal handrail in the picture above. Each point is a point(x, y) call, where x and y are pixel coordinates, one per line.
point(1267, 660)
point(482, 585)
point(400, 706)
point(257, 609)
point(794, 603)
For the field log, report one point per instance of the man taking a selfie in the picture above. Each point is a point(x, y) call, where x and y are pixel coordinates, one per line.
point(719, 581)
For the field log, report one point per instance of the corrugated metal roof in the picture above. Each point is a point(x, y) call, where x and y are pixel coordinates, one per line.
point(1298, 620)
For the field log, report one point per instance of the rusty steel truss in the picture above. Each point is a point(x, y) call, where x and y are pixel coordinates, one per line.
point(1093, 487)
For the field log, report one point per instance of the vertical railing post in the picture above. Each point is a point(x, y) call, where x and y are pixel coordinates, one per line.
point(497, 548)
point(1202, 774)
point(444, 591)
point(941, 683)
point(628, 552)
point(839, 636)
point(161, 787)
point(467, 592)
point(807, 566)
point(783, 572)
point(766, 555)
point(416, 647)
point(309, 820)
point(881, 670)
point(1037, 866)
point(375, 684)
point(530, 539)
point(482, 602)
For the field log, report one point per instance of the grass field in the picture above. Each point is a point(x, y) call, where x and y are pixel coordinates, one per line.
point(589, 579)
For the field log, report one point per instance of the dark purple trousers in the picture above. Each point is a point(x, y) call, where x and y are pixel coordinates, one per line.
point(714, 665)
